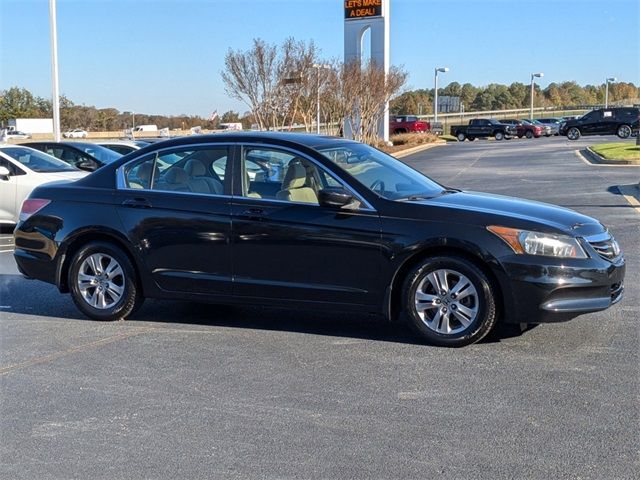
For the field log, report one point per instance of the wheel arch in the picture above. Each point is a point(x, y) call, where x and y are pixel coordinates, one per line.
point(392, 300)
point(71, 246)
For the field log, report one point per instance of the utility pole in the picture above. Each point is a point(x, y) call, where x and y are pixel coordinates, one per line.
point(435, 92)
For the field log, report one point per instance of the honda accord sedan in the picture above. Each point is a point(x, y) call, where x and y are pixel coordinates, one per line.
point(312, 222)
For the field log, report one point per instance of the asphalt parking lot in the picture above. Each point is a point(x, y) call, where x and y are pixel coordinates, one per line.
point(203, 391)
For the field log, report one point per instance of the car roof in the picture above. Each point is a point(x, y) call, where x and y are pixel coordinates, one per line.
point(305, 139)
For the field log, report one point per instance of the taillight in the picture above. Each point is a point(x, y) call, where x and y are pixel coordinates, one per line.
point(31, 206)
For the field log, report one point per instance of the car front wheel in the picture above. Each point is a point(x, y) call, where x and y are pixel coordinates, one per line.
point(449, 301)
point(461, 136)
point(499, 136)
point(624, 131)
point(529, 134)
point(103, 283)
point(573, 133)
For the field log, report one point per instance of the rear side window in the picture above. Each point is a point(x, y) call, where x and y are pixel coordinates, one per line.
point(187, 170)
point(627, 114)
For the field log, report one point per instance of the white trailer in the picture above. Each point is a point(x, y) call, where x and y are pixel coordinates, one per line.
point(31, 125)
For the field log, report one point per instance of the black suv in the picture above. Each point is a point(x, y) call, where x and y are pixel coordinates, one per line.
point(621, 121)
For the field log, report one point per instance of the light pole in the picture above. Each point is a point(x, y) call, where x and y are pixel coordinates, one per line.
point(533, 75)
point(318, 66)
point(55, 100)
point(606, 91)
point(435, 96)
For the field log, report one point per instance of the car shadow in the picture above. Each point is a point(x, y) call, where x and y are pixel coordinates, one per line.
point(19, 295)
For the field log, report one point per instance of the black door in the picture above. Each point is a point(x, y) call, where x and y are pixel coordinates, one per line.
point(287, 247)
point(175, 211)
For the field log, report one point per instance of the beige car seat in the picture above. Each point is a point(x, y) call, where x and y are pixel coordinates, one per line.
point(294, 185)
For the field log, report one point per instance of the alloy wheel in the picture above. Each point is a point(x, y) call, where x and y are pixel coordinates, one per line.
point(446, 301)
point(101, 281)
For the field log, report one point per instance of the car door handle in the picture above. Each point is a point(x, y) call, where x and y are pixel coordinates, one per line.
point(137, 203)
point(254, 213)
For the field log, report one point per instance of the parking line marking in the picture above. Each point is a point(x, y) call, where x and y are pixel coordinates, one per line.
point(70, 351)
point(629, 197)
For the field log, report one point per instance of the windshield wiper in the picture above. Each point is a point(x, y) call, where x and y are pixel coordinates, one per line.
point(423, 196)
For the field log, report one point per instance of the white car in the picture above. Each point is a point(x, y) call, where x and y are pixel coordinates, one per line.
point(75, 133)
point(21, 170)
point(17, 135)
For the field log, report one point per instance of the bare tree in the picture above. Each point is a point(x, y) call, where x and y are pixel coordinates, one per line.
point(273, 82)
point(365, 91)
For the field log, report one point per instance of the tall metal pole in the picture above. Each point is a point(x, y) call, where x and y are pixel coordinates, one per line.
point(606, 90)
point(533, 75)
point(318, 101)
point(531, 108)
point(55, 101)
point(435, 98)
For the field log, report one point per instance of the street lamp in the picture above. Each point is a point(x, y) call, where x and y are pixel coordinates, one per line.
point(435, 98)
point(533, 75)
point(606, 90)
point(318, 66)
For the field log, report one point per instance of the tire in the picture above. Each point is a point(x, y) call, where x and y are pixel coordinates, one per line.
point(624, 131)
point(471, 139)
point(444, 319)
point(573, 133)
point(529, 134)
point(121, 295)
point(461, 136)
point(520, 135)
point(499, 136)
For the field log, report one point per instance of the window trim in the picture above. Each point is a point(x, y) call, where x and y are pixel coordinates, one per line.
point(365, 206)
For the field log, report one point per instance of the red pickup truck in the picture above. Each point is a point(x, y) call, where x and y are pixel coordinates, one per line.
point(407, 124)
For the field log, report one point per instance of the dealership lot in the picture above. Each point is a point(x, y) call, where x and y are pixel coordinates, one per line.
point(208, 391)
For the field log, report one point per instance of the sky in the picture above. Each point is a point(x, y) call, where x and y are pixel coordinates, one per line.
point(165, 56)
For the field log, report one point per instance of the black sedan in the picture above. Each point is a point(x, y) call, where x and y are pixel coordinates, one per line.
point(312, 222)
point(83, 155)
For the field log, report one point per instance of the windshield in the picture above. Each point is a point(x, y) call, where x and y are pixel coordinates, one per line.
point(37, 161)
point(103, 154)
point(381, 173)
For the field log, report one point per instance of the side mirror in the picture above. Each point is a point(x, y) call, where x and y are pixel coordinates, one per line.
point(4, 173)
point(335, 197)
point(87, 166)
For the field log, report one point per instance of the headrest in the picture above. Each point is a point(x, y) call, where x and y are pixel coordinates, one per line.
point(295, 177)
point(195, 168)
point(144, 171)
point(176, 175)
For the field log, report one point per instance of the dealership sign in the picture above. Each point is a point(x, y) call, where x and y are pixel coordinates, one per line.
point(357, 9)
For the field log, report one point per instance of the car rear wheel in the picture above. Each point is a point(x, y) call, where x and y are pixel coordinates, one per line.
point(471, 139)
point(461, 136)
point(573, 133)
point(449, 301)
point(103, 283)
point(529, 134)
point(499, 136)
point(624, 131)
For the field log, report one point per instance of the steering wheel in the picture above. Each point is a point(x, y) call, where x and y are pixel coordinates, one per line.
point(377, 183)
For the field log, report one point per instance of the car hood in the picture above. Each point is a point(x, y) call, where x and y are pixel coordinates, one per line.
point(517, 212)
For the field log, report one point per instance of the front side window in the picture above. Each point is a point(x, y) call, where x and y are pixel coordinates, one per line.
point(187, 170)
point(103, 154)
point(381, 173)
point(274, 174)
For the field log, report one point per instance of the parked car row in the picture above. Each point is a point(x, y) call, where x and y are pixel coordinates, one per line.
point(620, 121)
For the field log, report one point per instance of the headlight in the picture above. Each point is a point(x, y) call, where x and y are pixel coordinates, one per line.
point(538, 243)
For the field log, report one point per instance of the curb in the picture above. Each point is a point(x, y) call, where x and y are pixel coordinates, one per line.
point(593, 157)
point(631, 193)
point(419, 148)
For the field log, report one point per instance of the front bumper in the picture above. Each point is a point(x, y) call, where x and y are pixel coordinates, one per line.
point(559, 290)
